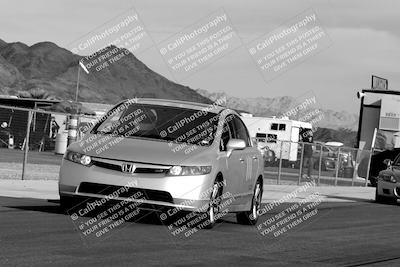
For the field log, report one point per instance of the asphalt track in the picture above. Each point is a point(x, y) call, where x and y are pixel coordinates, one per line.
point(362, 233)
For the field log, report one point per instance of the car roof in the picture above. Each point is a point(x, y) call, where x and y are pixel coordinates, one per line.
point(181, 104)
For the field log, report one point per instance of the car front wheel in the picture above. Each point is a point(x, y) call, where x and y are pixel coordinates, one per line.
point(213, 208)
point(383, 199)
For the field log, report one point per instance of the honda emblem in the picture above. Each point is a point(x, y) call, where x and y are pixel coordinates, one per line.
point(128, 167)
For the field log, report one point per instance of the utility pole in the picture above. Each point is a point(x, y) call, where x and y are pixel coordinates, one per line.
point(77, 84)
point(28, 131)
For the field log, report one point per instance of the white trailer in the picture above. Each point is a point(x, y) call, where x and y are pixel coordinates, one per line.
point(272, 131)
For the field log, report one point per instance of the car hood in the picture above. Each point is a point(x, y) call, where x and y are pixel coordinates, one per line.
point(143, 150)
point(392, 170)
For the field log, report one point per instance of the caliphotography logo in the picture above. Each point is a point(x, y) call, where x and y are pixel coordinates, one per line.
point(112, 41)
point(290, 44)
point(200, 44)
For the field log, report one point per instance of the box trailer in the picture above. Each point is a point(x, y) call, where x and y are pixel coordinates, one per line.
point(277, 133)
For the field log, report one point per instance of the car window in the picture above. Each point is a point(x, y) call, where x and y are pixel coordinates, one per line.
point(231, 126)
point(225, 136)
point(227, 132)
point(180, 125)
point(110, 122)
point(240, 131)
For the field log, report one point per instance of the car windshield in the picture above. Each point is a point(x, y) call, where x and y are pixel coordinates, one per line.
point(176, 124)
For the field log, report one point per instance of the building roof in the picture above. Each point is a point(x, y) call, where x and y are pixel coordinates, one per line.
point(387, 92)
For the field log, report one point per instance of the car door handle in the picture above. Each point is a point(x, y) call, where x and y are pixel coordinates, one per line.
point(241, 160)
point(255, 157)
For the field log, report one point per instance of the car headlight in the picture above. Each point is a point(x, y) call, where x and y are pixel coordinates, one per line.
point(80, 158)
point(389, 178)
point(189, 170)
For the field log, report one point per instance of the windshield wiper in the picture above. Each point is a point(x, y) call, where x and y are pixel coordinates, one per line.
point(152, 137)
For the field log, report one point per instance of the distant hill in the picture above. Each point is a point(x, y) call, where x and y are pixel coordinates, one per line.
point(277, 106)
point(54, 69)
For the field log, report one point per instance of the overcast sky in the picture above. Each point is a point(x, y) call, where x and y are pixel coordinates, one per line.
point(365, 40)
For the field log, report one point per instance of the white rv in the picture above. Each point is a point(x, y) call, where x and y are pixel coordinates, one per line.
point(271, 131)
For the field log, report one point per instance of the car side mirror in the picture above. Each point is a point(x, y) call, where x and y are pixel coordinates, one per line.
point(387, 162)
point(235, 144)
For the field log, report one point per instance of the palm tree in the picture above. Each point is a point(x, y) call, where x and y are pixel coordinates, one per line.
point(36, 93)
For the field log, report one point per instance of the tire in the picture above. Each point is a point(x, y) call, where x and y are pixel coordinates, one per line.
point(251, 217)
point(383, 199)
point(67, 204)
point(372, 181)
point(213, 208)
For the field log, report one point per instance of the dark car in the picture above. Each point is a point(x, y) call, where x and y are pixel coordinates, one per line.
point(329, 159)
point(377, 164)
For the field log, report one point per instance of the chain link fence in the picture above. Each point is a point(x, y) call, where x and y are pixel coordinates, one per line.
point(298, 162)
point(32, 142)
point(37, 153)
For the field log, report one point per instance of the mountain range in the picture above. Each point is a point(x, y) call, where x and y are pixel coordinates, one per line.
point(54, 69)
point(278, 106)
point(47, 67)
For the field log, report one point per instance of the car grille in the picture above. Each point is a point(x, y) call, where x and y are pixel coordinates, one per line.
point(105, 189)
point(117, 167)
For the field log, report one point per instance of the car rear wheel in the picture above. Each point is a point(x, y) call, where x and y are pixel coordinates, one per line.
point(251, 217)
point(213, 208)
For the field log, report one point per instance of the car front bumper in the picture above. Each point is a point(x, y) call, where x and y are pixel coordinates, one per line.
point(388, 189)
point(191, 193)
